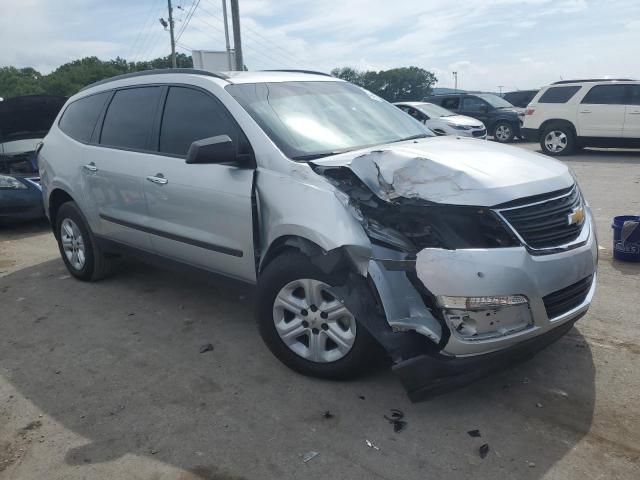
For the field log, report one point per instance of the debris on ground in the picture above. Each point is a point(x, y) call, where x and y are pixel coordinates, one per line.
point(525, 380)
point(396, 420)
point(327, 414)
point(309, 456)
point(361, 397)
point(153, 451)
point(370, 444)
point(207, 347)
point(474, 433)
point(531, 464)
point(539, 405)
point(484, 450)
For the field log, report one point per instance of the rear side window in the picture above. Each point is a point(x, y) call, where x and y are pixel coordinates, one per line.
point(129, 118)
point(635, 95)
point(79, 119)
point(473, 104)
point(191, 115)
point(451, 103)
point(606, 95)
point(558, 94)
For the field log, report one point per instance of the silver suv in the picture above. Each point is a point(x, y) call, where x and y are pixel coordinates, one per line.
point(362, 230)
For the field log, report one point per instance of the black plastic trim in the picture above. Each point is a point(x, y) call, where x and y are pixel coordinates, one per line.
point(177, 238)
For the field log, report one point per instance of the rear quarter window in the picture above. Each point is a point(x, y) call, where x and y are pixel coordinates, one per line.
point(80, 117)
point(558, 94)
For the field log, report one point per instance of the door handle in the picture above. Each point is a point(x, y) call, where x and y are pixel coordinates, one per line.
point(158, 179)
point(585, 111)
point(90, 167)
point(635, 112)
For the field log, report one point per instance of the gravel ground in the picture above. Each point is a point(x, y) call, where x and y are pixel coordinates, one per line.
point(106, 381)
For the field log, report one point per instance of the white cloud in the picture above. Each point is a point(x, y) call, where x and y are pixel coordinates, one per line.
point(516, 43)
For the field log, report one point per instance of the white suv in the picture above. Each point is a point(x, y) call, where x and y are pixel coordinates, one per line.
point(572, 114)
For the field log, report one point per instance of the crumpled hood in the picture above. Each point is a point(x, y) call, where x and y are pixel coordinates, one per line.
point(452, 170)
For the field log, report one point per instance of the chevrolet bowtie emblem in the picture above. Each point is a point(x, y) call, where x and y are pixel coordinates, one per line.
point(576, 217)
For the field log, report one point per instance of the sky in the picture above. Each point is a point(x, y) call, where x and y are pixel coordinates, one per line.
point(516, 44)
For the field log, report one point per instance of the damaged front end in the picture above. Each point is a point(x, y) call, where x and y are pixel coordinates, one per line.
point(439, 337)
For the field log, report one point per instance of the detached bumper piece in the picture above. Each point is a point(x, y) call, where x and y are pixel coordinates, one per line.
point(426, 376)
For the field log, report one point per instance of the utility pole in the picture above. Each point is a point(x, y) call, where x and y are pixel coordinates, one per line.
point(226, 34)
point(173, 42)
point(455, 79)
point(500, 87)
point(237, 43)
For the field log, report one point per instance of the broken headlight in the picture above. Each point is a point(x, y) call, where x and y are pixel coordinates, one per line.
point(414, 227)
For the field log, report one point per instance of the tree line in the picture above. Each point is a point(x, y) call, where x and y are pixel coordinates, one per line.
point(407, 83)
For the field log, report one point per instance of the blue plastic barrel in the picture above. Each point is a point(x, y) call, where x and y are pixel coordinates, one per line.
point(626, 238)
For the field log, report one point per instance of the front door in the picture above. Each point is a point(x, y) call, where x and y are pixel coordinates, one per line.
point(200, 214)
point(114, 169)
point(602, 111)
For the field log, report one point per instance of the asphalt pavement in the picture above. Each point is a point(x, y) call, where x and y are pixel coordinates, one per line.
point(106, 380)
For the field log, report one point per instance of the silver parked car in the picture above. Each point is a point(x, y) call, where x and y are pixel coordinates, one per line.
point(362, 230)
point(442, 121)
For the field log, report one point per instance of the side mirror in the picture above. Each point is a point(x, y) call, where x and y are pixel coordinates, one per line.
point(218, 149)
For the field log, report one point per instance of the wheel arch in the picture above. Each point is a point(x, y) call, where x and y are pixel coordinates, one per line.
point(56, 199)
point(559, 121)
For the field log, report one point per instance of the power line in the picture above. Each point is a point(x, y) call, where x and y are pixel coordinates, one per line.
point(255, 33)
point(145, 27)
point(151, 37)
point(184, 26)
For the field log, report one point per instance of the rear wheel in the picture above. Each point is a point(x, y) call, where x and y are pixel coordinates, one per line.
point(503, 132)
point(80, 252)
point(305, 325)
point(557, 139)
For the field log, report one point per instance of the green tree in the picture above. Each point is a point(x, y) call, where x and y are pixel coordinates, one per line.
point(71, 77)
point(397, 84)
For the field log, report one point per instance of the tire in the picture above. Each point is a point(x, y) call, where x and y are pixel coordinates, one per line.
point(286, 276)
point(558, 140)
point(503, 132)
point(79, 250)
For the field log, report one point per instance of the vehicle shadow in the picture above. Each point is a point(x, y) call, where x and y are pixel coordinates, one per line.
point(119, 363)
point(17, 231)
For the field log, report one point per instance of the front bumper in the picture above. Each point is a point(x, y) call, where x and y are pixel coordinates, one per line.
point(21, 205)
point(428, 375)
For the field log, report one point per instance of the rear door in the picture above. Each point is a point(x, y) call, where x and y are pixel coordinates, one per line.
point(632, 114)
point(200, 214)
point(115, 167)
point(601, 112)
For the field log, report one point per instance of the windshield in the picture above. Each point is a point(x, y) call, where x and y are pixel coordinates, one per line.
point(309, 120)
point(494, 100)
point(434, 110)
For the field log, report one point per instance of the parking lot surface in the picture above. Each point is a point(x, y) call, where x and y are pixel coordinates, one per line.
point(107, 381)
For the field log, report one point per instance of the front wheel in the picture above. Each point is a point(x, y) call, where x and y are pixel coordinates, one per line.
point(503, 132)
point(305, 325)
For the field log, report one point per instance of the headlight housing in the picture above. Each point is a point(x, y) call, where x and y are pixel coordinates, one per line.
point(414, 227)
point(11, 183)
point(459, 127)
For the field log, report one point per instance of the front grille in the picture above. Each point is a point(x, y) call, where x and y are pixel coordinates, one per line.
point(546, 224)
point(561, 301)
point(479, 133)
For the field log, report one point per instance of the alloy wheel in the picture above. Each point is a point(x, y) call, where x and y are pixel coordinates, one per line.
point(503, 133)
point(555, 141)
point(73, 244)
point(312, 322)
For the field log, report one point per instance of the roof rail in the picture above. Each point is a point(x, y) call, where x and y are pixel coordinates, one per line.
point(299, 71)
point(155, 72)
point(446, 94)
point(582, 80)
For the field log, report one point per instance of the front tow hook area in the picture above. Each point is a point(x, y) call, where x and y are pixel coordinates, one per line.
point(426, 376)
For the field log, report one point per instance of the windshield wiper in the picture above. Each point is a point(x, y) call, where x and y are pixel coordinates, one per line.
point(315, 156)
point(412, 137)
